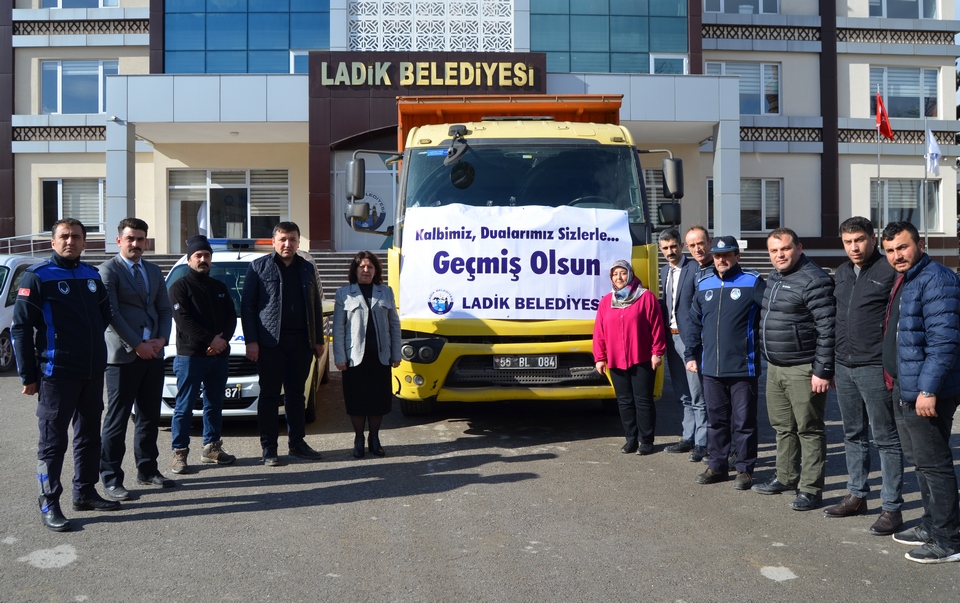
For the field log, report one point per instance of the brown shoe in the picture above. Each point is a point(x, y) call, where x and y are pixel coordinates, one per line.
point(848, 506)
point(888, 523)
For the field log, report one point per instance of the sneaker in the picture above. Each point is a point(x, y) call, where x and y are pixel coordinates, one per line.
point(644, 449)
point(214, 453)
point(711, 477)
point(931, 552)
point(698, 454)
point(179, 464)
point(680, 447)
point(915, 536)
point(743, 481)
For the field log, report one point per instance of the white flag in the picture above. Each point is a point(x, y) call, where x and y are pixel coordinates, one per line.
point(933, 154)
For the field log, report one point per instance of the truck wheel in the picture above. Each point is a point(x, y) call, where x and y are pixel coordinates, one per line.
point(414, 408)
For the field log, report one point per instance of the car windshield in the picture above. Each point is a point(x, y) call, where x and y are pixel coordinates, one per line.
point(229, 273)
point(4, 273)
point(538, 174)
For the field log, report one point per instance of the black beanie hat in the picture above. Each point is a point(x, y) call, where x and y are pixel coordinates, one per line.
point(197, 243)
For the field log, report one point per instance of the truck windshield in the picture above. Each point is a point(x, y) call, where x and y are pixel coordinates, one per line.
point(507, 175)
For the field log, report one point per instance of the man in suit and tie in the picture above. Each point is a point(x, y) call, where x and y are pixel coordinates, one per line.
point(139, 329)
point(678, 281)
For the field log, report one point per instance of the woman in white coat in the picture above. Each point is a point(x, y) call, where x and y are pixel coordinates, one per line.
point(366, 343)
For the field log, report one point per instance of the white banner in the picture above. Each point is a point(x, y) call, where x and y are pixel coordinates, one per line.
point(528, 262)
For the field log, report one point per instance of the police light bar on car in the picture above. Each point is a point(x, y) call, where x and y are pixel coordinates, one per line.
point(241, 244)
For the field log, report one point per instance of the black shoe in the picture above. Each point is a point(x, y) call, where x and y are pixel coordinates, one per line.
point(95, 502)
point(358, 452)
point(271, 458)
point(772, 487)
point(698, 454)
point(711, 477)
point(375, 448)
point(52, 517)
point(629, 448)
point(116, 493)
point(156, 480)
point(805, 502)
point(303, 451)
point(680, 447)
point(645, 449)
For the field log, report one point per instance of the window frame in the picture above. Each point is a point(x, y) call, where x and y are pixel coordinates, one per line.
point(101, 202)
point(101, 3)
point(919, 15)
point(881, 215)
point(101, 85)
point(724, 3)
point(887, 96)
point(763, 204)
point(761, 66)
point(670, 57)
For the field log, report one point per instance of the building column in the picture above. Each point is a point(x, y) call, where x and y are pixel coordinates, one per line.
point(121, 184)
point(726, 178)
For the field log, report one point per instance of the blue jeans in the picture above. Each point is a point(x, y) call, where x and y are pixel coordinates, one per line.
point(865, 406)
point(926, 444)
point(196, 375)
point(690, 391)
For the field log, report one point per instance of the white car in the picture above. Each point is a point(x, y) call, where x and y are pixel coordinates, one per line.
point(12, 268)
point(243, 387)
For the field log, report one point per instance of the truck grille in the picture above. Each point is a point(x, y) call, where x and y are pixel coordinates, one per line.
point(478, 371)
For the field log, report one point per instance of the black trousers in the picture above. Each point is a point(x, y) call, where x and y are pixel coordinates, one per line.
point(139, 382)
point(638, 413)
point(285, 366)
point(62, 402)
point(731, 402)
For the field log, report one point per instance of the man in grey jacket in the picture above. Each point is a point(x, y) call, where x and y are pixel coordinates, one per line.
point(796, 328)
point(281, 310)
point(140, 318)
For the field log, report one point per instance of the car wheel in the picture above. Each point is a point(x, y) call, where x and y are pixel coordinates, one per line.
point(414, 408)
point(6, 352)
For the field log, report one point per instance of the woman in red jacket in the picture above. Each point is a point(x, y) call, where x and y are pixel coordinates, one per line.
point(629, 340)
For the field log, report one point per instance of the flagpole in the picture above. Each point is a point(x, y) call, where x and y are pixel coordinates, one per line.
point(880, 209)
point(923, 195)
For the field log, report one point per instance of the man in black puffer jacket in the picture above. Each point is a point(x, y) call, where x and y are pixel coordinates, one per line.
point(796, 330)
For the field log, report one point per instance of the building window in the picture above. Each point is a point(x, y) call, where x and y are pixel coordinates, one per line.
point(615, 36)
point(761, 204)
point(79, 3)
point(228, 203)
point(78, 198)
point(667, 64)
point(743, 7)
point(759, 85)
point(299, 61)
point(904, 9)
point(901, 200)
point(74, 86)
point(906, 91)
point(241, 36)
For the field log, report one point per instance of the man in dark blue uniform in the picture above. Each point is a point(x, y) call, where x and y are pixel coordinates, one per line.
point(725, 313)
point(58, 323)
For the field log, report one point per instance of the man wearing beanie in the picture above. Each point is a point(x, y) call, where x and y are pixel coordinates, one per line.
point(206, 319)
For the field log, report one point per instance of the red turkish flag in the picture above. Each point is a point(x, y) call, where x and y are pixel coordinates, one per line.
point(883, 120)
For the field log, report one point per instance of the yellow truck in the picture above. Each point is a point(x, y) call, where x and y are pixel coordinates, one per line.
point(511, 210)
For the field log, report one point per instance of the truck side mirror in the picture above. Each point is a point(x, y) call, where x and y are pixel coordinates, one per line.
point(673, 179)
point(669, 213)
point(356, 179)
point(358, 211)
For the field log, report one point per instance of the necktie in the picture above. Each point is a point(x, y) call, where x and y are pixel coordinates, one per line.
point(669, 293)
point(138, 279)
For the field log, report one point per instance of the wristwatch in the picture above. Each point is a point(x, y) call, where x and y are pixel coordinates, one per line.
point(928, 394)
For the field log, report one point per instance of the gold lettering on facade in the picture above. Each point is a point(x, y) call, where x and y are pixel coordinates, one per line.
point(466, 74)
point(429, 73)
point(489, 69)
point(380, 75)
point(406, 73)
point(343, 75)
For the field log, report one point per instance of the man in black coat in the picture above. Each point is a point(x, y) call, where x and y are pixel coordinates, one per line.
point(796, 330)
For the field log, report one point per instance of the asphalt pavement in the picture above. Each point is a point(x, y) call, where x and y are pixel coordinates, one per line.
point(478, 502)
